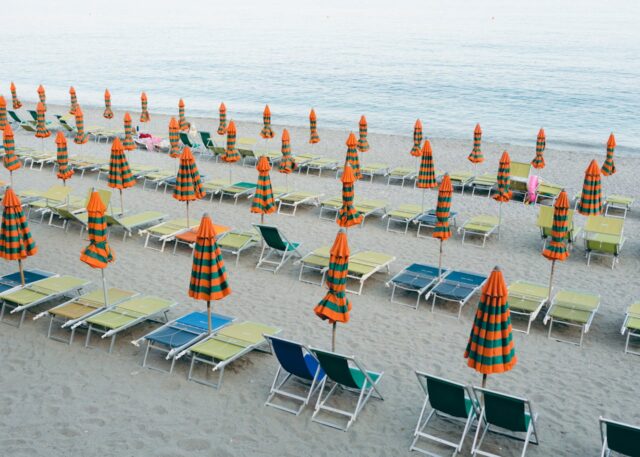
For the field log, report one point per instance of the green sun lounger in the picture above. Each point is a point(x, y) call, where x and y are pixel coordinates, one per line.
point(401, 174)
point(166, 231)
point(527, 299)
point(133, 222)
point(572, 308)
point(403, 215)
point(295, 199)
point(603, 236)
point(275, 246)
point(365, 264)
point(484, 183)
point(618, 203)
point(39, 292)
point(227, 345)
point(236, 242)
point(483, 226)
point(461, 179)
point(631, 326)
point(237, 190)
point(545, 224)
point(211, 145)
point(317, 261)
point(620, 438)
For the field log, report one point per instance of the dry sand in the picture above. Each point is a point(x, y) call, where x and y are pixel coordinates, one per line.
point(67, 400)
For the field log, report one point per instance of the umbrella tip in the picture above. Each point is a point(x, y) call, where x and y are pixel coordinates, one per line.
point(496, 268)
point(206, 214)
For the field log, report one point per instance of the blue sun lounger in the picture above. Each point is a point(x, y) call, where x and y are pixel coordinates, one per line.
point(416, 278)
point(179, 334)
point(13, 280)
point(456, 286)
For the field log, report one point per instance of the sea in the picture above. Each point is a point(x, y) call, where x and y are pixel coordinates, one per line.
point(514, 67)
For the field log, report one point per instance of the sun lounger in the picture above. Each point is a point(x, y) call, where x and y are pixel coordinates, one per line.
point(12, 281)
point(317, 261)
point(519, 173)
point(484, 183)
point(348, 375)
point(401, 174)
point(548, 191)
point(363, 206)
point(278, 192)
point(36, 158)
point(186, 141)
point(74, 209)
point(402, 215)
point(158, 178)
point(68, 218)
point(572, 308)
point(483, 225)
point(210, 144)
point(619, 437)
point(237, 190)
point(320, 164)
point(631, 326)
point(618, 203)
point(365, 264)
point(461, 179)
point(214, 186)
point(451, 401)
point(15, 118)
point(298, 365)
point(457, 287)
point(41, 202)
point(372, 170)
point(301, 159)
point(174, 337)
point(428, 219)
point(133, 222)
point(236, 242)
point(227, 345)
point(166, 231)
point(603, 236)
point(116, 319)
point(36, 293)
point(190, 236)
point(275, 245)
point(295, 199)
point(527, 299)
point(545, 223)
point(416, 278)
point(507, 416)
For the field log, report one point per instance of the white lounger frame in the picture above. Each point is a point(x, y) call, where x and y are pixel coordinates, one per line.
point(584, 328)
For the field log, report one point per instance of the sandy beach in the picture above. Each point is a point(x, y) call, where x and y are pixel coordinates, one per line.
point(60, 400)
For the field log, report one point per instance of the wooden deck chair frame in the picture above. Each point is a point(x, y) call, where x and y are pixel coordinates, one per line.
point(286, 202)
point(584, 327)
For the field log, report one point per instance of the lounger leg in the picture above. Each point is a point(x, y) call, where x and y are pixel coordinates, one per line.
point(113, 341)
point(146, 354)
point(88, 337)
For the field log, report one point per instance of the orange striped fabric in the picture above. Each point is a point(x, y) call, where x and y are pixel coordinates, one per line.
point(41, 124)
point(174, 138)
point(313, 127)
point(417, 139)
point(352, 156)
point(3, 112)
point(144, 114)
point(62, 158)
point(42, 96)
point(443, 208)
point(348, 215)
point(266, 131)
point(208, 274)
point(222, 127)
point(609, 167)
point(363, 143)
point(120, 176)
point(263, 202)
point(476, 153)
point(287, 164)
point(108, 114)
point(335, 306)
point(16, 242)
point(73, 101)
point(556, 248)
point(14, 97)
point(184, 125)
point(98, 253)
point(81, 137)
point(10, 159)
point(188, 182)
point(128, 143)
point(231, 154)
point(591, 198)
point(541, 143)
point(504, 179)
point(427, 173)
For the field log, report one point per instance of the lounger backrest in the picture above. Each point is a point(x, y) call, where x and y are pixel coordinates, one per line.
point(337, 368)
point(206, 138)
point(520, 169)
point(14, 116)
point(622, 438)
point(505, 411)
point(105, 196)
point(272, 237)
point(185, 139)
point(33, 114)
point(605, 224)
point(291, 357)
point(446, 396)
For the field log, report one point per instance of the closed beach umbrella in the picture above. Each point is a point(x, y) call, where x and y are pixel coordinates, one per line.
point(81, 137)
point(417, 139)
point(222, 126)
point(120, 176)
point(443, 209)
point(352, 156)
point(363, 143)
point(14, 97)
point(144, 115)
point(74, 101)
point(62, 158)
point(557, 248)
point(287, 164)
point(41, 124)
point(263, 202)
point(504, 184)
point(335, 306)
point(208, 274)
point(427, 172)
point(266, 131)
point(490, 348)
point(16, 242)
point(313, 127)
point(231, 154)
point(3, 112)
point(10, 159)
point(98, 253)
point(174, 138)
point(348, 215)
point(128, 143)
point(541, 144)
point(42, 96)
point(108, 114)
point(590, 203)
point(188, 183)
point(608, 167)
point(476, 156)
point(184, 125)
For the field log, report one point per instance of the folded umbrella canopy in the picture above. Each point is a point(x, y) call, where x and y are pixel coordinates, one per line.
point(108, 114)
point(41, 124)
point(266, 131)
point(541, 143)
point(10, 159)
point(231, 154)
point(188, 183)
point(184, 125)
point(443, 210)
point(62, 158)
point(608, 167)
point(3, 112)
point(73, 102)
point(557, 249)
point(263, 202)
point(222, 126)
point(144, 115)
point(352, 156)
point(81, 137)
point(504, 184)
point(128, 143)
point(287, 164)
point(476, 156)
point(16, 242)
point(348, 216)
point(42, 96)
point(363, 143)
point(120, 176)
point(591, 197)
point(313, 127)
point(14, 97)
point(427, 172)
point(174, 138)
point(417, 139)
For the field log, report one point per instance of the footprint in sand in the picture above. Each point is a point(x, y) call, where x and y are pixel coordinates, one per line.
point(194, 444)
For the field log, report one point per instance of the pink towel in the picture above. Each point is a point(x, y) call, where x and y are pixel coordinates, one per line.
point(532, 189)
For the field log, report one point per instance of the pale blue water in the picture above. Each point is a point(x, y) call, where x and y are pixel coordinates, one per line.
point(572, 69)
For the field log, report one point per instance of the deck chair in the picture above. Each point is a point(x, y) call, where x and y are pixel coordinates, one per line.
point(213, 187)
point(41, 202)
point(331, 206)
point(548, 191)
point(402, 215)
point(298, 366)
point(82, 307)
point(228, 345)
point(15, 118)
point(292, 200)
point(346, 374)
point(275, 245)
point(186, 141)
point(317, 261)
point(114, 320)
point(519, 173)
point(574, 309)
point(36, 293)
point(483, 225)
point(166, 231)
point(133, 222)
point(320, 164)
point(416, 278)
point(68, 218)
point(461, 179)
point(450, 401)
point(526, 299)
point(371, 170)
point(174, 337)
point(429, 220)
point(237, 190)
point(618, 203)
point(365, 264)
point(486, 182)
point(545, 224)
point(619, 437)
point(82, 164)
point(68, 128)
point(457, 287)
point(302, 159)
point(278, 192)
point(631, 326)
point(603, 236)
point(12, 281)
point(401, 174)
point(210, 144)
point(507, 416)
point(140, 171)
point(236, 242)
point(157, 178)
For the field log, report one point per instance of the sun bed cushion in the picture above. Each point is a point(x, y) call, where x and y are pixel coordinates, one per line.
point(184, 329)
point(233, 339)
point(91, 301)
point(129, 311)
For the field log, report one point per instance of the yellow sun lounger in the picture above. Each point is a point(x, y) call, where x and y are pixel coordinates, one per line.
point(133, 222)
point(167, 231)
point(295, 199)
point(618, 203)
point(317, 261)
point(401, 174)
point(603, 236)
point(365, 264)
point(631, 326)
point(403, 215)
point(365, 207)
point(527, 299)
point(237, 242)
point(572, 308)
point(484, 183)
point(483, 225)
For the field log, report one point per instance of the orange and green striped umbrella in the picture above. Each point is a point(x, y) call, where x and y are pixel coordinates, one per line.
point(591, 198)
point(363, 143)
point(128, 143)
point(74, 101)
point(608, 167)
point(10, 159)
point(188, 183)
point(144, 115)
point(3, 112)
point(443, 209)
point(426, 173)
point(14, 97)
point(120, 176)
point(417, 139)
point(42, 96)
point(62, 158)
point(287, 164)
point(352, 156)
point(16, 242)
point(41, 125)
point(208, 273)
point(557, 248)
point(504, 179)
point(174, 138)
point(222, 127)
point(490, 348)
point(231, 154)
point(266, 131)
point(335, 306)
point(348, 215)
point(98, 254)
point(184, 125)
point(541, 144)
point(81, 137)
point(476, 153)
point(263, 202)
point(313, 127)
point(108, 114)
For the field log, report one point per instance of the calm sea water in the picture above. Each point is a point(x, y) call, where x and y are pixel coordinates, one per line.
point(572, 69)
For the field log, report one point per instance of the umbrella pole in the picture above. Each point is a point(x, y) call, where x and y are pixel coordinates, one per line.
point(104, 288)
point(209, 316)
point(261, 218)
point(423, 192)
point(553, 265)
point(499, 219)
point(22, 281)
point(187, 213)
point(440, 260)
point(333, 337)
point(121, 203)
point(484, 381)
point(11, 178)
